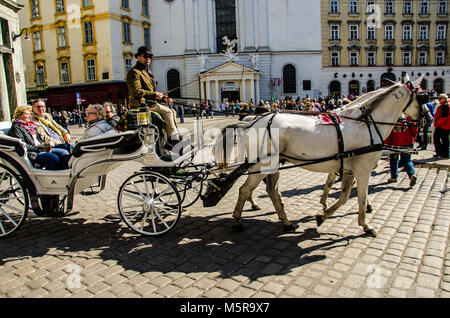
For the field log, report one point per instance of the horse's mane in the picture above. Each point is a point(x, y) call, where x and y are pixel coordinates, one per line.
point(369, 102)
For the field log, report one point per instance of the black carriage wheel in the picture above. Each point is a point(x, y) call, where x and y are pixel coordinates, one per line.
point(13, 201)
point(149, 203)
point(188, 185)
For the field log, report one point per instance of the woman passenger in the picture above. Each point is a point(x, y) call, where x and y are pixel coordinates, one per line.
point(38, 151)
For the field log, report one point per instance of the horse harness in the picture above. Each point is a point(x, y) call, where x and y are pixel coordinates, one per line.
point(342, 154)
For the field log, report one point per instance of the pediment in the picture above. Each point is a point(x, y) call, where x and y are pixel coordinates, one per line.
point(229, 68)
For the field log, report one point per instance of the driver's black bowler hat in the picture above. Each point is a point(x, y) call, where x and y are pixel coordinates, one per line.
point(144, 50)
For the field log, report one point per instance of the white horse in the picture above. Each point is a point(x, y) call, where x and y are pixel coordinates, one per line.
point(303, 138)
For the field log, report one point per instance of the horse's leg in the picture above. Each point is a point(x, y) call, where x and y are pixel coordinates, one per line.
point(328, 184)
point(362, 184)
point(275, 196)
point(252, 201)
point(245, 192)
point(346, 187)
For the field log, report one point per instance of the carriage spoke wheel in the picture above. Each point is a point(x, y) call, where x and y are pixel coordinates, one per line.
point(13, 201)
point(149, 203)
point(189, 187)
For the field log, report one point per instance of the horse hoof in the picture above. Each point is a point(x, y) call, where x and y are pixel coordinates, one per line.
point(369, 209)
point(371, 232)
point(256, 208)
point(238, 228)
point(290, 228)
point(319, 220)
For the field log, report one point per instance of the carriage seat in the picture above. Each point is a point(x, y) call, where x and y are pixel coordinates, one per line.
point(5, 126)
point(121, 143)
point(8, 143)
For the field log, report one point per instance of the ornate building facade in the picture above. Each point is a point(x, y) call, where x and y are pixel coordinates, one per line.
point(12, 83)
point(271, 48)
point(366, 42)
point(82, 48)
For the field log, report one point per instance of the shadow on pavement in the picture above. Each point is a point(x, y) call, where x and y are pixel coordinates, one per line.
point(196, 244)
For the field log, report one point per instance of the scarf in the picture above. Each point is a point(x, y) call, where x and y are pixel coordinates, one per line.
point(49, 124)
point(29, 126)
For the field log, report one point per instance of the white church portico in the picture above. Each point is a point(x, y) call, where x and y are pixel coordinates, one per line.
point(229, 81)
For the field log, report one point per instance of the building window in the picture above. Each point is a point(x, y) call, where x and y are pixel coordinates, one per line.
point(370, 7)
point(423, 32)
point(354, 58)
point(35, 8)
point(424, 7)
point(389, 58)
point(62, 42)
point(289, 79)
point(335, 59)
point(353, 6)
point(334, 6)
point(423, 57)
point(90, 70)
point(225, 22)
point(147, 37)
point(126, 32)
point(334, 32)
point(125, 4)
point(87, 3)
point(88, 32)
point(371, 58)
point(442, 7)
point(407, 7)
point(307, 85)
point(354, 32)
point(59, 6)
point(145, 7)
point(173, 83)
point(64, 70)
point(440, 57)
point(407, 32)
point(40, 75)
point(128, 64)
point(441, 32)
point(371, 32)
point(389, 32)
point(37, 41)
point(407, 58)
point(389, 7)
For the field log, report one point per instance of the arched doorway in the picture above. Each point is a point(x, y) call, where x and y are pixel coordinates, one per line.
point(438, 85)
point(353, 88)
point(424, 84)
point(370, 86)
point(384, 80)
point(335, 89)
point(289, 79)
point(173, 83)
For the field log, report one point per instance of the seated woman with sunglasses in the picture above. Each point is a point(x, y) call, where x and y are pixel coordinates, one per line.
point(96, 117)
point(38, 151)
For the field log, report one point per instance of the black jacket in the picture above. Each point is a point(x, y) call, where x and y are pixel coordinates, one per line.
point(18, 131)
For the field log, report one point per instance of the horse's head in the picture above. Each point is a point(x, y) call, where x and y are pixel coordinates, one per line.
point(412, 109)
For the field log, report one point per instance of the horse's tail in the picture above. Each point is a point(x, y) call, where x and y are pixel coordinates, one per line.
point(225, 144)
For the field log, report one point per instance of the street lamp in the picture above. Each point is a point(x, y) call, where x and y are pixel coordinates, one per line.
point(14, 36)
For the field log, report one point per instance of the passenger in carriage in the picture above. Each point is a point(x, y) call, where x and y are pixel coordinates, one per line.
point(39, 151)
point(48, 129)
point(111, 117)
point(97, 124)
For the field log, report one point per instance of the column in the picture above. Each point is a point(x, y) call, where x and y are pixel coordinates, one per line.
point(218, 96)
point(208, 87)
point(202, 89)
point(243, 91)
point(190, 26)
point(252, 92)
point(4, 100)
point(257, 91)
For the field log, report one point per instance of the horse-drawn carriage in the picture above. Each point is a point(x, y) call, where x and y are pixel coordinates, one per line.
point(150, 201)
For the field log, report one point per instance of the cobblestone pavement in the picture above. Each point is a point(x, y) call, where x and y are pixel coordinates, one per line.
point(93, 254)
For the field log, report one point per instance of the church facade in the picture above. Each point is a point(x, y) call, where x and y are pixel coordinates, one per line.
point(235, 49)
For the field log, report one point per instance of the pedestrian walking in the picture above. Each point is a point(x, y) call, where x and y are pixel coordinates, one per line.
point(403, 135)
point(442, 127)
